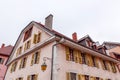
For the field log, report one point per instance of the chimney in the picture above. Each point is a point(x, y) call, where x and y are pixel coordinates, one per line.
point(74, 36)
point(3, 45)
point(49, 21)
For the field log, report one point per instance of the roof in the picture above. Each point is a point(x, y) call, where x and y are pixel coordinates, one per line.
point(87, 36)
point(6, 50)
point(111, 43)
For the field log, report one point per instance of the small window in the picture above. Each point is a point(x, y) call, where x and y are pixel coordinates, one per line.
point(13, 66)
point(23, 63)
point(32, 77)
point(1, 60)
point(35, 58)
point(27, 34)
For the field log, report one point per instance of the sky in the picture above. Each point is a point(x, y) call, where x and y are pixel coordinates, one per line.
point(100, 19)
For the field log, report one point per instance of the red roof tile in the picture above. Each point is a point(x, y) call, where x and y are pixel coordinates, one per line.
point(6, 50)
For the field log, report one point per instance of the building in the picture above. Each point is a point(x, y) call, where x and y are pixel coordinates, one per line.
point(113, 50)
point(43, 53)
point(4, 55)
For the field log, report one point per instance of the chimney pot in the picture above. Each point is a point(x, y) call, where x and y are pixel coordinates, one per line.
point(74, 36)
point(49, 21)
point(3, 45)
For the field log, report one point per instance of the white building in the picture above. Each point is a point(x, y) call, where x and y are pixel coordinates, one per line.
point(65, 58)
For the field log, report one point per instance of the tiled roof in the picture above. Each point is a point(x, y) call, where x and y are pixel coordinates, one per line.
point(6, 50)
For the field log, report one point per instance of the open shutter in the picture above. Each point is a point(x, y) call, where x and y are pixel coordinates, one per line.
point(67, 53)
point(25, 61)
point(79, 57)
point(75, 56)
point(97, 62)
point(35, 39)
point(38, 57)
point(25, 46)
point(82, 77)
point(68, 76)
point(102, 64)
point(38, 38)
point(28, 77)
point(32, 60)
point(36, 76)
point(20, 64)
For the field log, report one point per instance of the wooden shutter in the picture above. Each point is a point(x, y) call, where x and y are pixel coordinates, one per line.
point(32, 60)
point(38, 57)
point(102, 64)
point(25, 46)
point(97, 62)
point(82, 77)
point(108, 65)
point(79, 57)
point(35, 39)
point(88, 59)
point(20, 64)
point(25, 61)
point(28, 77)
point(36, 76)
point(75, 56)
point(38, 38)
point(92, 78)
point(67, 53)
point(67, 76)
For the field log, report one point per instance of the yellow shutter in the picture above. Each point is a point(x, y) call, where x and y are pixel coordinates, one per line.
point(20, 64)
point(82, 77)
point(29, 44)
point(25, 61)
point(75, 56)
point(35, 38)
point(80, 57)
point(108, 65)
point(11, 68)
point(67, 53)
point(36, 76)
point(92, 78)
point(32, 60)
point(67, 76)
point(28, 77)
point(38, 57)
point(25, 45)
point(38, 38)
point(88, 59)
point(97, 62)
point(102, 64)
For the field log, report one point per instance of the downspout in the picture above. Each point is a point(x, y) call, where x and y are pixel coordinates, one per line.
point(52, 61)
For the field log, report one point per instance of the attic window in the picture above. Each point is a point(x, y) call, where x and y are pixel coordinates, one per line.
point(27, 34)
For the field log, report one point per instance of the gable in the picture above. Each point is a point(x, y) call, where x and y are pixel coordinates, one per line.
point(27, 39)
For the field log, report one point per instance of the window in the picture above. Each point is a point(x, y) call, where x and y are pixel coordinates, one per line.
point(13, 67)
point(69, 54)
point(86, 77)
point(83, 58)
point(21, 78)
point(23, 63)
point(35, 58)
point(27, 45)
point(36, 38)
point(70, 76)
point(19, 51)
point(93, 60)
point(1, 60)
point(27, 34)
point(32, 77)
point(113, 67)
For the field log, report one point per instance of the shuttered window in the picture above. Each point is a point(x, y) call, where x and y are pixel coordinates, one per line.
point(13, 66)
point(113, 67)
point(35, 58)
point(83, 58)
point(19, 51)
point(89, 61)
point(37, 38)
point(27, 45)
point(21, 78)
point(23, 62)
point(32, 77)
point(97, 60)
point(71, 76)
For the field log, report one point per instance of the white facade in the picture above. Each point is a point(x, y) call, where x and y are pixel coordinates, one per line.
point(60, 65)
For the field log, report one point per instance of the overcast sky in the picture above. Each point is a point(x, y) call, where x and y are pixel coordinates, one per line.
point(98, 18)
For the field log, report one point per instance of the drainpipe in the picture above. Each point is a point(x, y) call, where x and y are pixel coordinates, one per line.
point(52, 62)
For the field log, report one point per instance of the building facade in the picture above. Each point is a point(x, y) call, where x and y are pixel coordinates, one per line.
point(4, 55)
point(65, 58)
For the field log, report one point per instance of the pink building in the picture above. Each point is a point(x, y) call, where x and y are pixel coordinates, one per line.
point(4, 55)
point(41, 53)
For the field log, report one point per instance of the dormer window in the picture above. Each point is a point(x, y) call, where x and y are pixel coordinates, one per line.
point(27, 34)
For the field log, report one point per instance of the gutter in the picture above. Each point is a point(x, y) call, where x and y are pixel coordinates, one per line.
point(52, 61)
